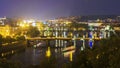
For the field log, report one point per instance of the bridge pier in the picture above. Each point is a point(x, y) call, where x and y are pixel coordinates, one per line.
point(74, 41)
point(59, 41)
point(56, 43)
point(62, 43)
point(84, 41)
point(91, 43)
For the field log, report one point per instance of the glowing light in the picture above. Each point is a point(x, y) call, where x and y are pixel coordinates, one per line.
point(71, 34)
point(90, 35)
point(22, 25)
point(33, 24)
point(107, 27)
point(82, 49)
point(90, 43)
point(12, 51)
point(67, 54)
point(71, 56)
point(2, 54)
point(67, 22)
point(28, 21)
point(69, 48)
point(48, 53)
point(97, 57)
point(95, 24)
point(34, 46)
point(27, 25)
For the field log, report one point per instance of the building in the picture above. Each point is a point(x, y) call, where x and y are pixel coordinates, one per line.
point(2, 20)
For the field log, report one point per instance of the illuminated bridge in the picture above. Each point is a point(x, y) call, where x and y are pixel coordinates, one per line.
point(62, 38)
point(61, 41)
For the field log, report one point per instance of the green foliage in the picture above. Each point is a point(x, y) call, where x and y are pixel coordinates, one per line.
point(33, 32)
point(8, 39)
point(1, 39)
point(20, 38)
point(104, 55)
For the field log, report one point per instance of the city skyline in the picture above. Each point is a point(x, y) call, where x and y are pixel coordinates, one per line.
point(50, 9)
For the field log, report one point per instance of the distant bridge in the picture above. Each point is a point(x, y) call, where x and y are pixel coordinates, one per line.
point(62, 38)
point(61, 41)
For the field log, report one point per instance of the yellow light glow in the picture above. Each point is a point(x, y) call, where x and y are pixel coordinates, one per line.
point(22, 25)
point(12, 51)
point(67, 54)
point(67, 22)
point(71, 34)
point(71, 56)
point(48, 53)
point(7, 30)
point(2, 54)
point(69, 48)
point(27, 25)
point(74, 29)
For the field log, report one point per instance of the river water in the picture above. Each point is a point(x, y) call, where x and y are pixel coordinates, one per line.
point(34, 56)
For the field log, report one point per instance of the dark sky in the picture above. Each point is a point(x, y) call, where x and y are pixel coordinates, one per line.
point(48, 9)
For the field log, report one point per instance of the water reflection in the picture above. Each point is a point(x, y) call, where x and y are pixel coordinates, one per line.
point(48, 52)
point(71, 56)
point(34, 56)
point(7, 53)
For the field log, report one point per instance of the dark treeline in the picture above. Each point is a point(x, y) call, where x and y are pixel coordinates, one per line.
point(11, 45)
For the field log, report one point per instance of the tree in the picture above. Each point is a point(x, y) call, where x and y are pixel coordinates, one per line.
point(8, 39)
point(33, 32)
point(20, 38)
point(1, 39)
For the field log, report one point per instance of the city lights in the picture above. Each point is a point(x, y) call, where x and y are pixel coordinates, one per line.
point(59, 34)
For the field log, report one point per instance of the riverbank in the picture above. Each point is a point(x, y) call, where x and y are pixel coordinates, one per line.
point(12, 48)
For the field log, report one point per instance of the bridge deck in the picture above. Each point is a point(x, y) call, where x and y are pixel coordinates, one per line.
point(62, 38)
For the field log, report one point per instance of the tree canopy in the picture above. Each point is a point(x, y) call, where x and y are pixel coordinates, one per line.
point(33, 32)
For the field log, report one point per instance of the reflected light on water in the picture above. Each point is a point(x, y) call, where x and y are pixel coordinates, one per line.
point(71, 56)
point(2, 54)
point(12, 51)
point(66, 54)
point(55, 50)
point(69, 48)
point(48, 52)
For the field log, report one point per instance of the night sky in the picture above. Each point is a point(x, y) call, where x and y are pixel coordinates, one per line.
point(49, 9)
